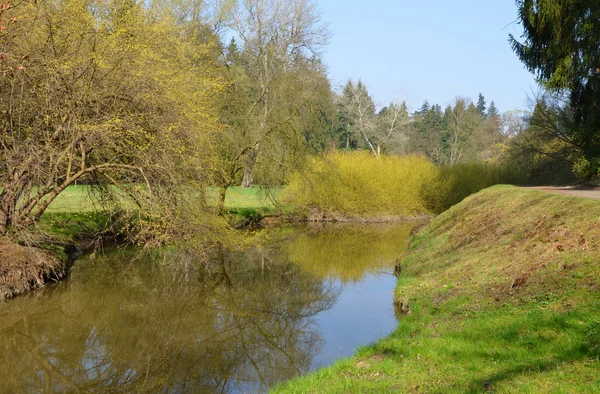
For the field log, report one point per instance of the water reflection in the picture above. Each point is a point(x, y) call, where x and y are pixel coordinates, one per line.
point(168, 323)
point(349, 252)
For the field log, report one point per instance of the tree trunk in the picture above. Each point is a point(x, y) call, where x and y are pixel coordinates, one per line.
point(249, 170)
point(3, 223)
point(222, 195)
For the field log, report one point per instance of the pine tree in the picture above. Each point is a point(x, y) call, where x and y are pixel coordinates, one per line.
point(481, 105)
point(492, 110)
point(424, 108)
point(561, 41)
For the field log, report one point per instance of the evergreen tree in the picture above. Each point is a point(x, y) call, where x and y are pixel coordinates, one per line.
point(481, 105)
point(493, 111)
point(561, 41)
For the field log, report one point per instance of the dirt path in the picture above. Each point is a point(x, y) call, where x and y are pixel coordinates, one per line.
point(570, 191)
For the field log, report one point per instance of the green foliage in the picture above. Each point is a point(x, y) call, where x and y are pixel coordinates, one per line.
point(455, 182)
point(586, 169)
point(358, 184)
point(560, 46)
point(492, 110)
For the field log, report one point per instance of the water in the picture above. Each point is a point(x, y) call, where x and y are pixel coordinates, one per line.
point(167, 322)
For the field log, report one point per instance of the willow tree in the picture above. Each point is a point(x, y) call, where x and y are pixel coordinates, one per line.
point(107, 93)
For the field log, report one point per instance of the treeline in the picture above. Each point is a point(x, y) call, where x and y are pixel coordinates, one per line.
point(459, 133)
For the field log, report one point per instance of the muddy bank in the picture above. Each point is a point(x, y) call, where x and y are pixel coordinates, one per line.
point(23, 268)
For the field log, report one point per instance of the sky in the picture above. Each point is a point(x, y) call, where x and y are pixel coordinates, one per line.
point(430, 50)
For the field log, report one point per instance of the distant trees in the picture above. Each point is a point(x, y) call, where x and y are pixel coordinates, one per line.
point(358, 105)
point(536, 147)
point(463, 122)
point(377, 131)
point(460, 133)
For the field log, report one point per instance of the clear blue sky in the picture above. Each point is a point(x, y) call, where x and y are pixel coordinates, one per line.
point(434, 50)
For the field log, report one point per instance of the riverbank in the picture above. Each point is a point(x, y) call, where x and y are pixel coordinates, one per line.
point(499, 293)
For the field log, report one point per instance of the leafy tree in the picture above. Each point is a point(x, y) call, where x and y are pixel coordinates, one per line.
point(278, 38)
point(561, 40)
point(103, 92)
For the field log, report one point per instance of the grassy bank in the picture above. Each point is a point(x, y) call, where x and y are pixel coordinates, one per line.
point(503, 296)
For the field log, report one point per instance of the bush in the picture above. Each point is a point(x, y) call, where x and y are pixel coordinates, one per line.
point(458, 181)
point(358, 184)
point(586, 170)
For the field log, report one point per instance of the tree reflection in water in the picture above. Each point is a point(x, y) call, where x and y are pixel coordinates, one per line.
point(349, 252)
point(165, 324)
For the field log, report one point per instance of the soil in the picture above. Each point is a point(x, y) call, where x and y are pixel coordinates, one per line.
point(23, 268)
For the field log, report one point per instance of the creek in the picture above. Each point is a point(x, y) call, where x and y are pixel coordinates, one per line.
point(167, 321)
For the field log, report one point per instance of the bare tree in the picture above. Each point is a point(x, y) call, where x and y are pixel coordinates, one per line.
point(463, 122)
point(393, 121)
point(358, 104)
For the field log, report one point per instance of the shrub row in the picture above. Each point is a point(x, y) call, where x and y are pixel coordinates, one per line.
point(360, 185)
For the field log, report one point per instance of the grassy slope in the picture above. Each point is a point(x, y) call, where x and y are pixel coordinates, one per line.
point(504, 296)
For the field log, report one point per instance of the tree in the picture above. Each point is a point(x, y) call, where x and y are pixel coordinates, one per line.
point(560, 45)
point(277, 36)
point(492, 111)
point(428, 130)
point(392, 124)
point(534, 145)
point(463, 122)
point(481, 105)
point(358, 104)
point(103, 92)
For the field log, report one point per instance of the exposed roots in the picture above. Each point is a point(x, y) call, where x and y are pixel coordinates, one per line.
point(23, 268)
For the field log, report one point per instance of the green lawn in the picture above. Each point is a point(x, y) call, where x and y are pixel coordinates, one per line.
point(76, 199)
point(247, 198)
point(74, 214)
point(504, 297)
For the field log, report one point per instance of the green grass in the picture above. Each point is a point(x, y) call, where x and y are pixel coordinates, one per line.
point(79, 199)
point(254, 198)
point(74, 213)
point(504, 297)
